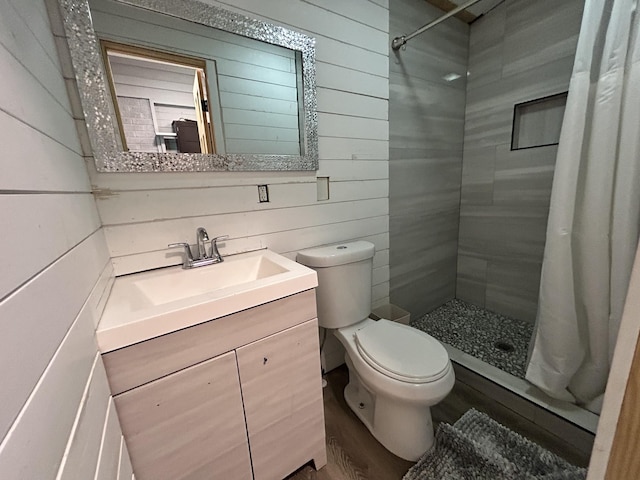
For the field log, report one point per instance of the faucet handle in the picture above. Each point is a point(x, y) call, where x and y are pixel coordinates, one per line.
point(188, 256)
point(214, 247)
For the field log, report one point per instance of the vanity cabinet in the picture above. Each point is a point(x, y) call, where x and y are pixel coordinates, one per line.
point(237, 397)
point(189, 424)
point(280, 378)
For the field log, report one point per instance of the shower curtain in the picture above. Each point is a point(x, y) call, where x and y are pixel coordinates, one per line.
point(593, 225)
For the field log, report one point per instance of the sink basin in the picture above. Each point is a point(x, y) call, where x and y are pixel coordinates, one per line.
point(149, 304)
point(171, 284)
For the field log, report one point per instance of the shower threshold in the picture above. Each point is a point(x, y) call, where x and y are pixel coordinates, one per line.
point(495, 347)
point(572, 413)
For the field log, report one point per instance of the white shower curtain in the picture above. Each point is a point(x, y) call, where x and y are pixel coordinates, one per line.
point(592, 232)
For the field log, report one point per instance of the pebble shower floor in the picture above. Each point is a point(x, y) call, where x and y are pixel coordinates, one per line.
point(496, 339)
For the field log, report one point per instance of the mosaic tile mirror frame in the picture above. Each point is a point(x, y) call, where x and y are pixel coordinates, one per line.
point(100, 113)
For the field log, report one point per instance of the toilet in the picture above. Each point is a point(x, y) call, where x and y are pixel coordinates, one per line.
point(396, 372)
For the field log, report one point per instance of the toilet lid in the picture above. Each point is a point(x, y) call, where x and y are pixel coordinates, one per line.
point(402, 352)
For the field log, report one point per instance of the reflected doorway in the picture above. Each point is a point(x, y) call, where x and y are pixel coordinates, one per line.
point(161, 99)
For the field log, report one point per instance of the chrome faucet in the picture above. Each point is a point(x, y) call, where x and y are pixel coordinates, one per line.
point(204, 257)
point(201, 238)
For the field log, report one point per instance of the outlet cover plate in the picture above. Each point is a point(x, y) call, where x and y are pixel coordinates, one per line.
point(263, 193)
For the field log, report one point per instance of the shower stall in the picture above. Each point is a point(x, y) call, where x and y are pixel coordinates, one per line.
point(475, 113)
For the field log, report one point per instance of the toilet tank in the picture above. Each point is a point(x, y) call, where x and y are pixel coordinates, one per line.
point(344, 281)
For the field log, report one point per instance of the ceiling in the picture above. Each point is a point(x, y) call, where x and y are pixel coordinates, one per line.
point(470, 14)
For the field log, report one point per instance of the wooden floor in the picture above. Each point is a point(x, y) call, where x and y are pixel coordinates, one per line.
point(353, 453)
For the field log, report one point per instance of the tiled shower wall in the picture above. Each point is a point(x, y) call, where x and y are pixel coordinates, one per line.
point(520, 51)
point(426, 118)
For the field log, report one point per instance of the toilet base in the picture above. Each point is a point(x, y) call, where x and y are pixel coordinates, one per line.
point(403, 428)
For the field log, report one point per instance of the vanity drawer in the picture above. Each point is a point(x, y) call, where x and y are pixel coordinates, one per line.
point(144, 362)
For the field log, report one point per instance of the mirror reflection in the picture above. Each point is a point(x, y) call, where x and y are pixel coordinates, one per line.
point(162, 104)
point(186, 86)
point(226, 93)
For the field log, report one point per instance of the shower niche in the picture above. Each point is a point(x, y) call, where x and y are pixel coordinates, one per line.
point(537, 123)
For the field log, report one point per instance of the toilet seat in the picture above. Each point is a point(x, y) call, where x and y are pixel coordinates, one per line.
point(402, 352)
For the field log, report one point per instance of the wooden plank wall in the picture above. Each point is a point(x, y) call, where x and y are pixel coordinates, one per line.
point(427, 126)
point(166, 114)
point(142, 213)
point(54, 264)
point(150, 97)
point(166, 84)
point(614, 454)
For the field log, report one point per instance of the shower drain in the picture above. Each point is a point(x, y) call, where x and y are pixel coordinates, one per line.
point(504, 346)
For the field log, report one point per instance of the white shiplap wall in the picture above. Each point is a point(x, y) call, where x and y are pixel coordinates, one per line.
point(54, 266)
point(142, 213)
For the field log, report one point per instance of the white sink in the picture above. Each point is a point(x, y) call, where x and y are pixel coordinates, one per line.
point(149, 304)
point(171, 284)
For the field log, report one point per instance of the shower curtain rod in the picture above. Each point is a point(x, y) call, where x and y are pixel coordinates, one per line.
point(398, 42)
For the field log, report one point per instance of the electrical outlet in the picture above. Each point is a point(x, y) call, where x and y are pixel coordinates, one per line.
point(263, 193)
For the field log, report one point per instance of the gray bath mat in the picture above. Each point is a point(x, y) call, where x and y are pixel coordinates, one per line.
point(478, 447)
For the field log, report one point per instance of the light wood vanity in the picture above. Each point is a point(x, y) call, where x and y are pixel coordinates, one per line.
point(238, 397)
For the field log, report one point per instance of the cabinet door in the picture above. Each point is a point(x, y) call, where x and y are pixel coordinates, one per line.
point(282, 391)
point(188, 425)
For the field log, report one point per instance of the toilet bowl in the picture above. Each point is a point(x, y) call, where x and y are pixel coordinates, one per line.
point(396, 372)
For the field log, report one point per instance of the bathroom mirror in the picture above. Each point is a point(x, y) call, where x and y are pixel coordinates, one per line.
point(170, 86)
